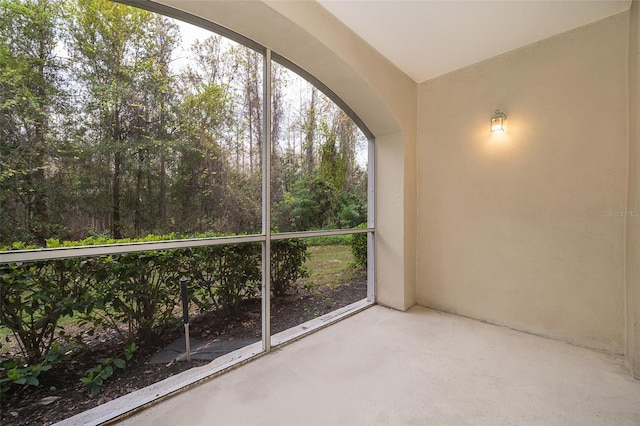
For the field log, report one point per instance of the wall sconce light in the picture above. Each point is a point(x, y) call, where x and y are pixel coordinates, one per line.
point(497, 122)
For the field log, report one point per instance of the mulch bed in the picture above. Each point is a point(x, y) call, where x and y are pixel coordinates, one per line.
point(28, 406)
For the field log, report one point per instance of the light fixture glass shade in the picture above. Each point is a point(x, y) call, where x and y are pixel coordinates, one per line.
point(497, 122)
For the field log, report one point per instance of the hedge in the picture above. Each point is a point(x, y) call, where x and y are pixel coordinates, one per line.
point(140, 290)
point(359, 247)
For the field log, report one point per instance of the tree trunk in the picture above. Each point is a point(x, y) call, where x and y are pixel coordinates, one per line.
point(137, 219)
point(310, 133)
point(115, 200)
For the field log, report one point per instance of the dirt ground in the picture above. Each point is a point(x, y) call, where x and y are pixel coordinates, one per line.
point(61, 394)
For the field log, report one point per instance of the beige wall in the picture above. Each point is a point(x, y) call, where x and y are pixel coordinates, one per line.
point(513, 229)
point(632, 349)
point(382, 96)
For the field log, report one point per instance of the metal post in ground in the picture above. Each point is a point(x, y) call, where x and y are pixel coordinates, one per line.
point(185, 316)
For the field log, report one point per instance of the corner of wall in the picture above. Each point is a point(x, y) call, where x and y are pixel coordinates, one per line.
point(411, 224)
point(411, 209)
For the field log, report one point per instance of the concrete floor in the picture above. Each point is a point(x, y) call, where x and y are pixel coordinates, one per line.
point(422, 367)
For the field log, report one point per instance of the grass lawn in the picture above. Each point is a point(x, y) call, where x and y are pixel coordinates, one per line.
point(329, 266)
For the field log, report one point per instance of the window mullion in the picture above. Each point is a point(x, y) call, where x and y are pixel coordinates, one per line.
point(266, 203)
point(371, 184)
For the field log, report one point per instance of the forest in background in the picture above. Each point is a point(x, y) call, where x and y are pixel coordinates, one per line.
point(108, 128)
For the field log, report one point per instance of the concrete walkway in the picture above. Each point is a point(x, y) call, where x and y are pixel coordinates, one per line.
point(176, 351)
point(423, 367)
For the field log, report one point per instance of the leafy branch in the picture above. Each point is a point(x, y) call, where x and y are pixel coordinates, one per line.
point(96, 376)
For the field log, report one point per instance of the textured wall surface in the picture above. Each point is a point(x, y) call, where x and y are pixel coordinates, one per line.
point(526, 229)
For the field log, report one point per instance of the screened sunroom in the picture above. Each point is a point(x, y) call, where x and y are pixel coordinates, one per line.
point(379, 212)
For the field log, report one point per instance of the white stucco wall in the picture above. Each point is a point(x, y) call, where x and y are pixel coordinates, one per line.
point(522, 229)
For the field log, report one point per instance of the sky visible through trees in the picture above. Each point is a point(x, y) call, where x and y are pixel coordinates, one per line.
point(121, 122)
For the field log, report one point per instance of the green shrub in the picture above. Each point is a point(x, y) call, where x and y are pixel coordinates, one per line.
point(96, 376)
point(14, 374)
point(34, 297)
point(359, 247)
point(287, 265)
point(137, 289)
point(224, 276)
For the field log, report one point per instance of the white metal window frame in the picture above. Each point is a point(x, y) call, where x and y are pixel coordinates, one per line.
point(265, 237)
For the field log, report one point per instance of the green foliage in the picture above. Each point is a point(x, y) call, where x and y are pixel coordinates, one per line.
point(104, 240)
point(314, 203)
point(137, 289)
point(29, 93)
point(55, 354)
point(359, 247)
point(287, 265)
point(33, 299)
point(309, 205)
point(113, 141)
point(100, 133)
point(224, 276)
point(16, 374)
point(329, 240)
point(351, 210)
point(136, 294)
point(23, 374)
point(96, 376)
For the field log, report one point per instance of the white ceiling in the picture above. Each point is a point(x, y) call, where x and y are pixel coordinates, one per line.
point(428, 38)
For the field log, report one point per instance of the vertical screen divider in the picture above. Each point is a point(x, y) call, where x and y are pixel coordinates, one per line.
point(266, 203)
point(371, 208)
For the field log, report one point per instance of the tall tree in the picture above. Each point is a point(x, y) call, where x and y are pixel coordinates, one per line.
point(102, 131)
point(202, 162)
point(249, 72)
point(278, 88)
point(30, 98)
point(158, 127)
point(206, 130)
point(309, 127)
point(108, 44)
point(337, 156)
